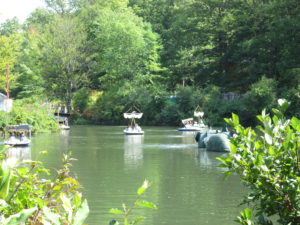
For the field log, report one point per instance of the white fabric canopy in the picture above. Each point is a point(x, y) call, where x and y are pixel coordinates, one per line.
point(133, 115)
point(187, 120)
point(198, 114)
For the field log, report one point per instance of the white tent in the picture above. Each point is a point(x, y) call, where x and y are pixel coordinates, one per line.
point(133, 115)
point(198, 114)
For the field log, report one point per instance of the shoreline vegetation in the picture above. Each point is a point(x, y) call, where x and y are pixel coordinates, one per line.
point(106, 56)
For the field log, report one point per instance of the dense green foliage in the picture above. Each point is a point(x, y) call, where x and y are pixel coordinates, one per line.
point(140, 52)
point(29, 196)
point(38, 116)
point(267, 160)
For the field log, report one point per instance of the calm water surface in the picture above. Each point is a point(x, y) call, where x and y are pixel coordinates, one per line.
point(187, 186)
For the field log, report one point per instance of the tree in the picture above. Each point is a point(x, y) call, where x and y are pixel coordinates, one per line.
point(125, 48)
point(10, 26)
point(64, 57)
point(62, 7)
point(9, 50)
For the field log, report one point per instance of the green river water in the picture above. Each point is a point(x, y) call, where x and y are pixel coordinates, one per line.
point(187, 186)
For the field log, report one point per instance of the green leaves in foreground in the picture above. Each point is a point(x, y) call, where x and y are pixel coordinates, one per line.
point(126, 212)
point(245, 217)
point(19, 218)
point(267, 159)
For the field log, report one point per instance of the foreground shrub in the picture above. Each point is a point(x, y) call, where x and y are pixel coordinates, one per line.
point(267, 160)
point(27, 197)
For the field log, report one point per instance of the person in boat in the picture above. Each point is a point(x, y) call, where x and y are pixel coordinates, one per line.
point(137, 127)
point(12, 136)
point(23, 137)
point(66, 122)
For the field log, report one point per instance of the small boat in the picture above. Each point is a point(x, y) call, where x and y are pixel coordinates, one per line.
point(191, 125)
point(63, 122)
point(133, 128)
point(19, 135)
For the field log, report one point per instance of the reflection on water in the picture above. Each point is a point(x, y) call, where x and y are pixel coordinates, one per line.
point(188, 137)
point(203, 157)
point(209, 159)
point(64, 132)
point(21, 153)
point(133, 151)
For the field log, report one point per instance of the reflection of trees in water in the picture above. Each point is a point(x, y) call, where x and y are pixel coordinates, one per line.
point(21, 153)
point(133, 151)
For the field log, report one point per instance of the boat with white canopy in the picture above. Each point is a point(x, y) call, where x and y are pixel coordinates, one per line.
point(19, 135)
point(133, 128)
point(194, 125)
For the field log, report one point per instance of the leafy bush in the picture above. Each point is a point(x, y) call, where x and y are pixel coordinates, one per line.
point(261, 95)
point(267, 160)
point(81, 99)
point(171, 115)
point(37, 115)
point(27, 197)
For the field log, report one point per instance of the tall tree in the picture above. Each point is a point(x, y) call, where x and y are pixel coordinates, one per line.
point(9, 50)
point(64, 57)
point(125, 47)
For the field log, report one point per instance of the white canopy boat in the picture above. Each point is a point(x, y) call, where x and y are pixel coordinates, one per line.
point(191, 125)
point(63, 122)
point(133, 128)
point(19, 135)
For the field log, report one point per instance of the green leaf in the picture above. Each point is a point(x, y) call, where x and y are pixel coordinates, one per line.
point(116, 211)
point(235, 119)
point(77, 199)
point(81, 214)
point(278, 113)
point(283, 104)
point(247, 214)
point(232, 148)
point(268, 139)
point(228, 173)
point(143, 188)
point(53, 217)
point(296, 124)
point(20, 218)
point(146, 204)
point(5, 175)
point(137, 220)
point(271, 150)
point(67, 206)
